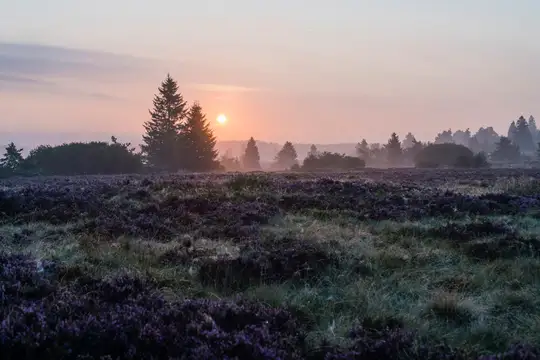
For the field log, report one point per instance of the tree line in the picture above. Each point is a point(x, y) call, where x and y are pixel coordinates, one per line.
point(178, 137)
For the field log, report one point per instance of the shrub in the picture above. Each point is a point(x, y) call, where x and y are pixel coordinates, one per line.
point(449, 155)
point(78, 158)
point(332, 161)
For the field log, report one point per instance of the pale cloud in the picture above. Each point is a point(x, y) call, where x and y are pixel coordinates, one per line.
point(223, 88)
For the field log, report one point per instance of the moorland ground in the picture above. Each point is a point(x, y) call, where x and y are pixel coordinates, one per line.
point(377, 264)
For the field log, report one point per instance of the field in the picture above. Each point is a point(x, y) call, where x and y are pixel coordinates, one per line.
point(378, 264)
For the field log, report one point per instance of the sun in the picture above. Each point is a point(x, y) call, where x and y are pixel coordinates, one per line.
point(222, 119)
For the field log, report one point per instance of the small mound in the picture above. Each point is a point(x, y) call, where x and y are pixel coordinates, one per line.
point(256, 266)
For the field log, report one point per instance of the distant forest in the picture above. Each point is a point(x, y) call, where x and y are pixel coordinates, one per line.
point(178, 137)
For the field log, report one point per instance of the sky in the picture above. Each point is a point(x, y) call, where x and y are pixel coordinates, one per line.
point(305, 71)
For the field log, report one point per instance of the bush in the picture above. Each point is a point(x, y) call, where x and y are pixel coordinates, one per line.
point(449, 155)
point(332, 161)
point(95, 158)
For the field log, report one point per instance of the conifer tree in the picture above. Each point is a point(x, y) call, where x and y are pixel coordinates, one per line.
point(13, 158)
point(200, 142)
point(287, 156)
point(163, 143)
point(523, 136)
point(251, 156)
point(394, 149)
point(362, 149)
point(409, 140)
point(512, 131)
point(533, 128)
point(506, 150)
point(313, 151)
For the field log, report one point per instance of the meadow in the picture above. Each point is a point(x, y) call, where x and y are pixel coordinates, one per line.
point(375, 264)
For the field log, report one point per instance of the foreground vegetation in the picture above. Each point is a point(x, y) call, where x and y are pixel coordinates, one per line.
point(376, 264)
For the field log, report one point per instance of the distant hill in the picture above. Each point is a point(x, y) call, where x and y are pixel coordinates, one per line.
point(267, 150)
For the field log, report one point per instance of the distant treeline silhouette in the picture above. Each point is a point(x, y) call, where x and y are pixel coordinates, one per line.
point(178, 138)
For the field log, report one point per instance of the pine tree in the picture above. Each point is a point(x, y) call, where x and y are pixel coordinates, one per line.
point(362, 149)
point(506, 150)
point(200, 142)
point(393, 149)
point(524, 138)
point(533, 129)
point(13, 158)
point(251, 156)
point(287, 156)
point(163, 143)
point(409, 140)
point(313, 151)
point(512, 131)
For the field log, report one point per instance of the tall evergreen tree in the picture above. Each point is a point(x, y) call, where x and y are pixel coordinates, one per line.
point(362, 149)
point(287, 156)
point(393, 149)
point(313, 151)
point(506, 150)
point(163, 145)
point(409, 140)
point(251, 156)
point(13, 158)
point(512, 131)
point(523, 136)
point(200, 142)
point(533, 128)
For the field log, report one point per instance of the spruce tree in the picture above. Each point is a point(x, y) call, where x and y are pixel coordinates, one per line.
point(313, 151)
point(409, 140)
point(533, 128)
point(251, 156)
point(362, 149)
point(506, 150)
point(200, 142)
point(524, 138)
point(13, 158)
point(393, 149)
point(163, 145)
point(512, 131)
point(287, 156)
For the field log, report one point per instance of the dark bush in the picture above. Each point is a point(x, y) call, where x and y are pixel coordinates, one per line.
point(79, 158)
point(335, 161)
point(448, 155)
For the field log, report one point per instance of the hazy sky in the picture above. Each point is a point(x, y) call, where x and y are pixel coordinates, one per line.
point(306, 71)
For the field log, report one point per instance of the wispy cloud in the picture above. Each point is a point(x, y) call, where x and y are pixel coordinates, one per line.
point(15, 83)
point(64, 71)
point(223, 88)
point(49, 61)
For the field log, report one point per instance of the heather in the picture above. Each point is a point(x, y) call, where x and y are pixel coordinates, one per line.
point(371, 264)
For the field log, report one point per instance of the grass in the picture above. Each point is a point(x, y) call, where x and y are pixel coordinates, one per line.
point(408, 271)
point(420, 280)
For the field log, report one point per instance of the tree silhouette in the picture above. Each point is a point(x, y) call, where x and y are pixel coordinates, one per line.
point(512, 131)
point(533, 128)
point(409, 140)
point(13, 158)
point(444, 137)
point(287, 156)
point(523, 137)
point(251, 156)
point(199, 140)
point(163, 144)
point(313, 151)
point(362, 149)
point(393, 149)
point(506, 151)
